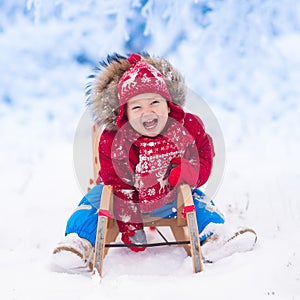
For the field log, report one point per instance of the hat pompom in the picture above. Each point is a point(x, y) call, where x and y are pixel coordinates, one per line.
point(134, 58)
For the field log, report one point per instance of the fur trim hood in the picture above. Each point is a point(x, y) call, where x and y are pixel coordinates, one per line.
point(102, 90)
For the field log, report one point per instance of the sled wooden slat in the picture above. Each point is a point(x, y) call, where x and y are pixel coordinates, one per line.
point(194, 242)
point(101, 236)
point(100, 244)
point(186, 197)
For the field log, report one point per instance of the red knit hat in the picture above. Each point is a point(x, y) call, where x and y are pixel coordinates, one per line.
point(141, 78)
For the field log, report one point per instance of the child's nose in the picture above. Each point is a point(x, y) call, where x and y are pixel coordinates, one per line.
point(148, 110)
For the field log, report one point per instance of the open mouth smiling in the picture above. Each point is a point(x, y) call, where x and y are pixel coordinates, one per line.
point(150, 124)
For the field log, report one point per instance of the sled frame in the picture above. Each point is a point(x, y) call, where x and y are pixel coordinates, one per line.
point(184, 227)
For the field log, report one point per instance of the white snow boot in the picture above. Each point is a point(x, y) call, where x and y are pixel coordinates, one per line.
point(217, 246)
point(73, 254)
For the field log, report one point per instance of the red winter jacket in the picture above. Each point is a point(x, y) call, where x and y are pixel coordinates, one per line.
point(137, 167)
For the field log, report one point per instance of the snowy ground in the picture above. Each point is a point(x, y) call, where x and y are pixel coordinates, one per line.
point(41, 105)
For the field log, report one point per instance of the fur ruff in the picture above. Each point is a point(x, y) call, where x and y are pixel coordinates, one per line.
point(101, 91)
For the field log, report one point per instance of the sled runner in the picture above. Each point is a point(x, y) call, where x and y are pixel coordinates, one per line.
point(184, 227)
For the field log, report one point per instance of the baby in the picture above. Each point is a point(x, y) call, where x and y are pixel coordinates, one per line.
point(148, 147)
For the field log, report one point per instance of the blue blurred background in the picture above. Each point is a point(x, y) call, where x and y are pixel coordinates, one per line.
point(241, 56)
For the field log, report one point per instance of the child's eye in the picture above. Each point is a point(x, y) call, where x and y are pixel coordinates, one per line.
point(155, 101)
point(135, 107)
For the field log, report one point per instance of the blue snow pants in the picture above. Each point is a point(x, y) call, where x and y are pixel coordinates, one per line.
point(84, 219)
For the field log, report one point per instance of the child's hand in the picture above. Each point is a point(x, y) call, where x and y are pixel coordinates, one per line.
point(183, 172)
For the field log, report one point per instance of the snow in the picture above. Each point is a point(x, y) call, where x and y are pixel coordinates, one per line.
point(243, 58)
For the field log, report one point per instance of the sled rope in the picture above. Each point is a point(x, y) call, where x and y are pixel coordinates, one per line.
point(163, 237)
point(147, 245)
point(165, 243)
point(161, 244)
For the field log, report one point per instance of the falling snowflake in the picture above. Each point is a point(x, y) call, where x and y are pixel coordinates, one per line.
point(128, 193)
point(125, 218)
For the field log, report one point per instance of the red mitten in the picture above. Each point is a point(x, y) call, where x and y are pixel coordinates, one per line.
point(183, 172)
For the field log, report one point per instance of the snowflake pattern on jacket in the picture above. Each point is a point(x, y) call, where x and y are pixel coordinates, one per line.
point(138, 167)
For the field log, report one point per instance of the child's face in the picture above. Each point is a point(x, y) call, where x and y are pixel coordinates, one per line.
point(148, 114)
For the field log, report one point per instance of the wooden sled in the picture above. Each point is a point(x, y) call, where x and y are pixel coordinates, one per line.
point(184, 227)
